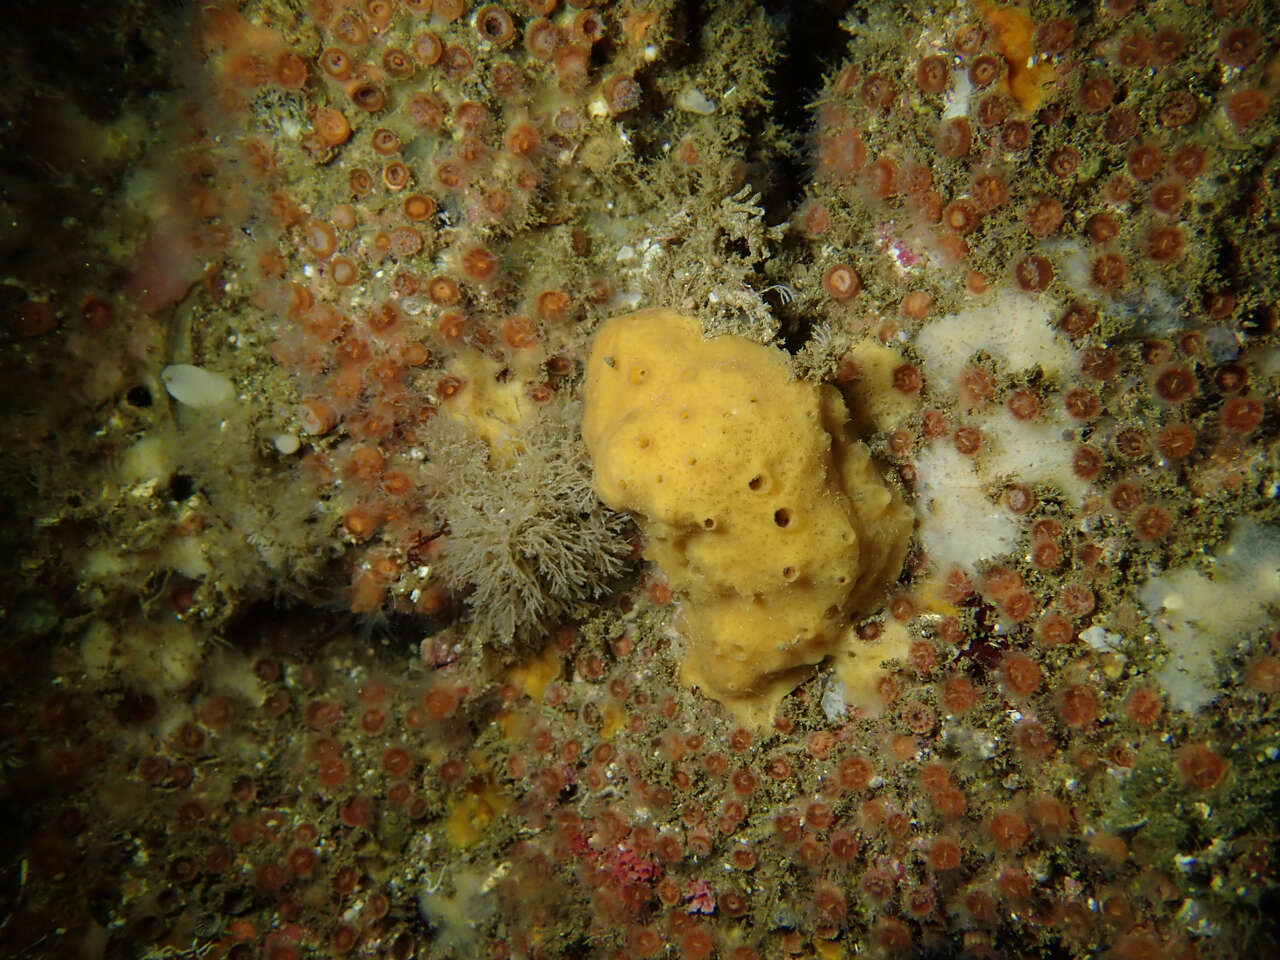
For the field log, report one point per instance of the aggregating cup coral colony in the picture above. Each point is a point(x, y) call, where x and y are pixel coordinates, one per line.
point(642, 479)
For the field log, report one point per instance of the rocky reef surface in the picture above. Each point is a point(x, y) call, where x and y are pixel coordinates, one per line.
point(318, 639)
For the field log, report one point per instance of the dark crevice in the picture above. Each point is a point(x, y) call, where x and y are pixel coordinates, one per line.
point(181, 487)
point(813, 46)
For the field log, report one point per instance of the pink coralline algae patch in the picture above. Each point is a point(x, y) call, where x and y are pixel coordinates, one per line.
point(900, 250)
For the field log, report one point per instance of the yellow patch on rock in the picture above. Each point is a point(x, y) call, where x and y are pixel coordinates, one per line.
point(1026, 82)
point(857, 664)
point(472, 814)
point(533, 674)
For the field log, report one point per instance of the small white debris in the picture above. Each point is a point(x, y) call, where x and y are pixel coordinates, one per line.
point(833, 703)
point(692, 100)
point(1101, 639)
point(287, 443)
point(957, 98)
point(195, 386)
point(651, 256)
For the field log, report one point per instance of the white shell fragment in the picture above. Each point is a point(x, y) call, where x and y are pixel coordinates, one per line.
point(692, 100)
point(195, 386)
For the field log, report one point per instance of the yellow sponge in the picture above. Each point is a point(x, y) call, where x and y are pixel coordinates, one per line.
point(755, 501)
